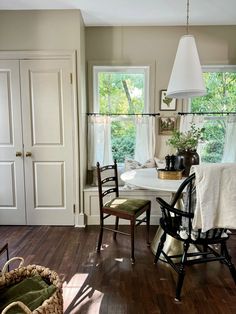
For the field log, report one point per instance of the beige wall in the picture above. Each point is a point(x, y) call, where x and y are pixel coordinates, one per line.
point(39, 30)
point(158, 45)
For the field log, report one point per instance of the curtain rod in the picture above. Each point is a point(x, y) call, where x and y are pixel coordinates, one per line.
point(209, 112)
point(122, 114)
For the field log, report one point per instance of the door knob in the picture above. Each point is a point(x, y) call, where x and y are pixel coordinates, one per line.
point(18, 154)
point(28, 154)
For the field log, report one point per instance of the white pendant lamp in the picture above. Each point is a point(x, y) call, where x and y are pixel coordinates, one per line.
point(186, 80)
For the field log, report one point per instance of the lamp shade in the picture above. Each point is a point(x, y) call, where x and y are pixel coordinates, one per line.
point(186, 79)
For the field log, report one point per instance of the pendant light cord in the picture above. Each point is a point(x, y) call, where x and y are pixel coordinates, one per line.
point(187, 26)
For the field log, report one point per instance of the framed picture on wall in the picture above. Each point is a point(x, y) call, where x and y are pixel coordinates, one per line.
point(166, 103)
point(167, 125)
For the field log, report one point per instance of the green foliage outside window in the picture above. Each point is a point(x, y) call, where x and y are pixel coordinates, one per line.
point(121, 93)
point(221, 96)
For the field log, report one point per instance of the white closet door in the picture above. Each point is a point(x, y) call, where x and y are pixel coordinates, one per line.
point(12, 196)
point(47, 131)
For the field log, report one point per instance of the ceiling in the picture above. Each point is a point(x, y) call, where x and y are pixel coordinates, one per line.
point(137, 12)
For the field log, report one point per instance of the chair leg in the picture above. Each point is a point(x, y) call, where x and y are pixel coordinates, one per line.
point(181, 272)
point(160, 247)
point(116, 228)
point(231, 266)
point(132, 226)
point(100, 236)
point(148, 213)
point(205, 247)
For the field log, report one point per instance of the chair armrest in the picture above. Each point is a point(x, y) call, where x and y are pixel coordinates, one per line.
point(171, 209)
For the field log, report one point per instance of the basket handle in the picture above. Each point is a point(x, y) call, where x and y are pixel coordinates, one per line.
point(11, 260)
point(20, 304)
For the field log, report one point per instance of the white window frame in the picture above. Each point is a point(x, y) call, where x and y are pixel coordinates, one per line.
point(214, 68)
point(122, 69)
point(147, 69)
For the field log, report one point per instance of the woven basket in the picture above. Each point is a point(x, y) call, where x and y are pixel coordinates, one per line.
point(52, 305)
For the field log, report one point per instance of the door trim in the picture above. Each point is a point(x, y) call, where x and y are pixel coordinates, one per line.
point(37, 54)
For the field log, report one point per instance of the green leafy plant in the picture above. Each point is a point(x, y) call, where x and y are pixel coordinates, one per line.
point(186, 140)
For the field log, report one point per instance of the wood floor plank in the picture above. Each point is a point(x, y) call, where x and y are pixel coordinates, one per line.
point(107, 283)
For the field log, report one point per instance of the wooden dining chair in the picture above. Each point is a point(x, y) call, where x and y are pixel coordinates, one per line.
point(177, 223)
point(120, 207)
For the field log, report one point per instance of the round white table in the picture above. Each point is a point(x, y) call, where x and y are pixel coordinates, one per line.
point(147, 178)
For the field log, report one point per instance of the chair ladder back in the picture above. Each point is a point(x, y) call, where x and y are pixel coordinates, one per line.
point(99, 187)
point(116, 178)
point(109, 191)
point(109, 178)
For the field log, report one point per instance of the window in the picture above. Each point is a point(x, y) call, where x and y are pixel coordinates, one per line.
point(221, 96)
point(121, 91)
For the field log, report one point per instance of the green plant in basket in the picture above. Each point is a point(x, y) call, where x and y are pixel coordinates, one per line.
point(186, 140)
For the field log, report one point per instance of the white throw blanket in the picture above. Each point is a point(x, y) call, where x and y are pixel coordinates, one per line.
point(216, 196)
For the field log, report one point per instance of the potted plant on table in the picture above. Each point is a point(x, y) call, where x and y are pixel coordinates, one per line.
point(186, 145)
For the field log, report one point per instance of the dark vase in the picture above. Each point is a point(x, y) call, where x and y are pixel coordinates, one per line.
point(185, 159)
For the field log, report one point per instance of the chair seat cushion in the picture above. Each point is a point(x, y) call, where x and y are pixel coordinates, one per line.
point(128, 205)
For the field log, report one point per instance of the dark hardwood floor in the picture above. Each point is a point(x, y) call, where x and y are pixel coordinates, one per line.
point(108, 284)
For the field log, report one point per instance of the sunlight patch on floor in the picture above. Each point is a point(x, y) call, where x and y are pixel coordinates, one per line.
point(78, 295)
point(104, 246)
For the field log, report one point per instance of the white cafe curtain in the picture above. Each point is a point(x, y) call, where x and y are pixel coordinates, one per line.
point(188, 119)
point(99, 141)
point(145, 138)
point(229, 154)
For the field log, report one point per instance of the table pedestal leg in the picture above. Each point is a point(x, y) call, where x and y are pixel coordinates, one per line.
point(171, 246)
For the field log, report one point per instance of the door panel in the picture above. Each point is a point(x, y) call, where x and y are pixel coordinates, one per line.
point(12, 197)
point(47, 132)
point(46, 107)
point(8, 193)
point(49, 174)
point(5, 108)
